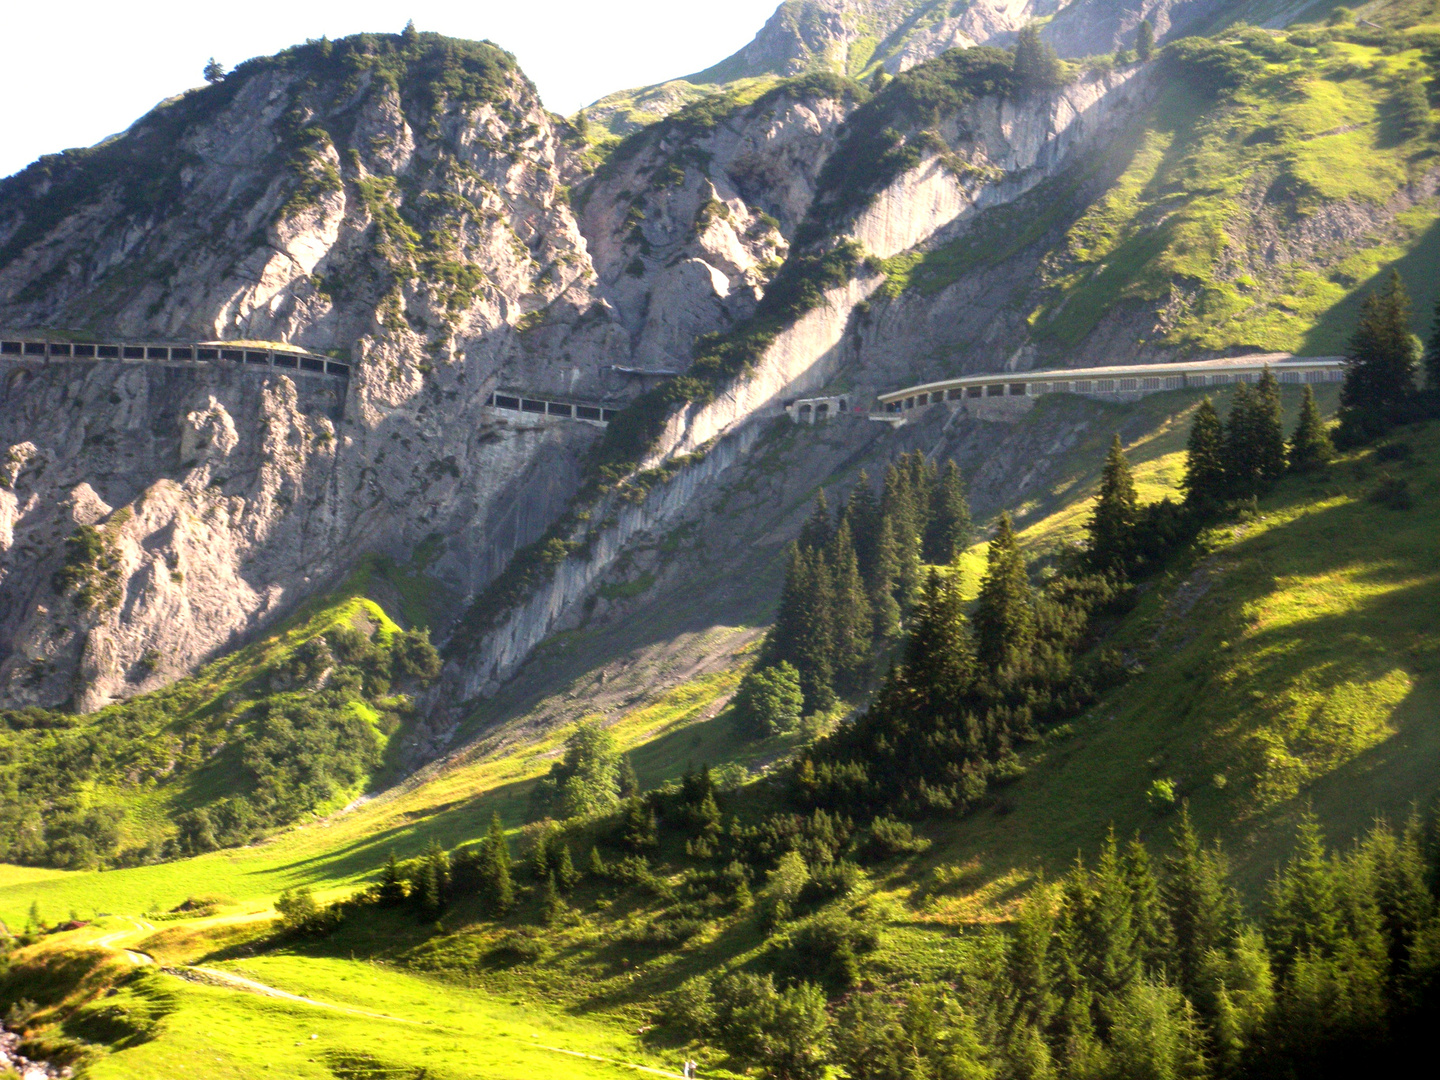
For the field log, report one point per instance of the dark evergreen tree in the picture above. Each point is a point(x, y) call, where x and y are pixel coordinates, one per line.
point(1269, 431)
point(637, 824)
point(1117, 510)
point(1204, 482)
point(883, 605)
point(1379, 365)
point(816, 532)
point(1201, 908)
point(1242, 444)
point(947, 533)
point(899, 506)
point(497, 888)
point(1310, 445)
point(852, 620)
point(862, 514)
point(815, 640)
point(392, 885)
point(939, 661)
point(1154, 939)
point(214, 71)
point(1145, 40)
point(1004, 613)
point(1036, 67)
point(625, 778)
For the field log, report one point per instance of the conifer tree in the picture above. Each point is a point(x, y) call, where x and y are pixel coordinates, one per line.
point(862, 513)
point(923, 478)
point(1379, 365)
point(1145, 40)
point(565, 873)
point(1201, 908)
point(1004, 613)
point(815, 641)
point(948, 529)
point(1305, 899)
point(540, 852)
point(1035, 65)
point(1310, 445)
point(883, 606)
point(392, 886)
point(1112, 526)
point(637, 824)
point(939, 659)
point(1242, 451)
point(815, 533)
point(782, 641)
point(852, 621)
point(1204, 481)
point(899, 506)
point(625, 778)
point(497, 889)
point(1269, 430)
point(1154, 941)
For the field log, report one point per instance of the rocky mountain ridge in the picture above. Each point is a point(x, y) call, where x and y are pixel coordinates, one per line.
point(407, 202)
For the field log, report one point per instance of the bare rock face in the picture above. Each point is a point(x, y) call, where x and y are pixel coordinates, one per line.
point(394, 201)
point(690, 219)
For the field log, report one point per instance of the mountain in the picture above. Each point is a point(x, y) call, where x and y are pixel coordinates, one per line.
point(347, 640)
point(861, 38)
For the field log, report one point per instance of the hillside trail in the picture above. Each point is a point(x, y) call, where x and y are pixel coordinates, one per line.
point(228, 980)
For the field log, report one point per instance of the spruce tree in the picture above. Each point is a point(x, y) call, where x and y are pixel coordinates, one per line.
point(948, 530)
point(1145, 40)
point(1310, 445)
point(1035, 66)
point(883, 606)
point(1153, 938)
point(1204, 482)
point(782, 640)
point(1242, 453)
point(852, 621)
point(1305, 913)
point(815, 533)
point(1112, 526)
point(815, 642)
point(862, 513)
point(1379, 365)
point(939, 657)
point(1004, 613)
point(540, 852)
point(923, 480)
point(497, 889)
point(1269, 430)
point(1198, 900)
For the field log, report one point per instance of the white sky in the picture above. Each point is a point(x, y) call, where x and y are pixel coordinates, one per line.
point(79, 70)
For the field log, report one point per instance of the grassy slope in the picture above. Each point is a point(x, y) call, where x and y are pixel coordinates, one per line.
point(1176, 228)
point(1293, 661)
point(1295, 657)
point(169, 773)
point(1314, 130)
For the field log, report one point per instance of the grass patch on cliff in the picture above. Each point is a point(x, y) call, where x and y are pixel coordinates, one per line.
point(1305, 126)
point(289, 725)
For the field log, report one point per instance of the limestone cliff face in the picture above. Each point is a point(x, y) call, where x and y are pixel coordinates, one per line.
point(992, 151)
point(395, 201)
point(689, 220)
